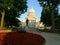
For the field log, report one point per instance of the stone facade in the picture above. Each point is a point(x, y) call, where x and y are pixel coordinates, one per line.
point(32, 20)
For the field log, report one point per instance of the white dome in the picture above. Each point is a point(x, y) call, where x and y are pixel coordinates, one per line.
point(32, 10)
point(31, 14)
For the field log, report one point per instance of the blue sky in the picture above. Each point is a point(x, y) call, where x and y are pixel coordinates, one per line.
point(35, 5)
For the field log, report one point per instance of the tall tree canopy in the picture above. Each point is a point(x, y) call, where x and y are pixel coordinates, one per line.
point(52, 4)
point(15, 8)
point(11, 18)
point(46, 16)
point(58, 22)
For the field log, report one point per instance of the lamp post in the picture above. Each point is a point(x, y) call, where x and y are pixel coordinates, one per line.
point(27, 21)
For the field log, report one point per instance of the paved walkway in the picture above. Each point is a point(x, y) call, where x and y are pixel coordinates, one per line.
point(51, 38)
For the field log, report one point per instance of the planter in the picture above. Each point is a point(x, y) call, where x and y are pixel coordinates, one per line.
point(15, 38)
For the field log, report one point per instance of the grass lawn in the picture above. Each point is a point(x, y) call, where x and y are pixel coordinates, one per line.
point(16, 38)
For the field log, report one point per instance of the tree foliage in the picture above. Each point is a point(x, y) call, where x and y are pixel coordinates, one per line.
point(58, 22)
point(46, 16)
point(52, 5)
point(49, 3)
point(12, 9)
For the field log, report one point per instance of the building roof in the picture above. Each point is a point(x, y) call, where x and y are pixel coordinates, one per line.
point(32, 9)
point(32, 14)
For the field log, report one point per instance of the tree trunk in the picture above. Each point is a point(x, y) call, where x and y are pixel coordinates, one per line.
point(53, 20)
point(2, 18)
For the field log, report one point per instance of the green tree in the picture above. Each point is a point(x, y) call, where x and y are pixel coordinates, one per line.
point(52, 4)
point(46, 16)
point(11, 18)
point(57, 21)
point(20, 6)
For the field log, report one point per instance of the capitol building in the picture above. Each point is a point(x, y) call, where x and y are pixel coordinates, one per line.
point(33, 21)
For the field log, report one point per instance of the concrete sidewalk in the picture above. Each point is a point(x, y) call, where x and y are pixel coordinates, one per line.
point(51, 38)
